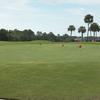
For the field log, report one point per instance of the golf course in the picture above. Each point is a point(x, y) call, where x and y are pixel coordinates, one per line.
point(42, 70)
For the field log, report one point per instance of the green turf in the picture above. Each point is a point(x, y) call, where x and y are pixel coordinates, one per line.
point(29, 70)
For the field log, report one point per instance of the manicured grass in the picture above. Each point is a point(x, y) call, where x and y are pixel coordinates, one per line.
point(29, 70)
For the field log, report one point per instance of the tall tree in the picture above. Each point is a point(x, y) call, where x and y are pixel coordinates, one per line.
point(88, 19)
point(51, 36)
point(3, 34)
point(39, 35)
point(71, 28)
point(82, 30)
point(94, 28)
point(44, 36)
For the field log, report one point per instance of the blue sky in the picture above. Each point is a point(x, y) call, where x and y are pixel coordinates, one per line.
point(46, 15)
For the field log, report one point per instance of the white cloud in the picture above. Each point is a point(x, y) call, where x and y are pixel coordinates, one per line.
point(16, 7)
point(13, 2)
point(76, 11)
point(86, 2)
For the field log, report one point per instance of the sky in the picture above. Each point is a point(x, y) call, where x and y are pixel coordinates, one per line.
point(47, 15)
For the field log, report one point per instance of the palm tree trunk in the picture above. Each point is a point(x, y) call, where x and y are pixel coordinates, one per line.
point(71, 34)
point(82, 37)
point(88, 33)
point(94, 36)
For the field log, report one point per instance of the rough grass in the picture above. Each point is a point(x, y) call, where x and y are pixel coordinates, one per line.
point(49, 71)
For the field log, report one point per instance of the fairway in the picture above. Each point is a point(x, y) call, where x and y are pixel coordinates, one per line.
point(28, 70)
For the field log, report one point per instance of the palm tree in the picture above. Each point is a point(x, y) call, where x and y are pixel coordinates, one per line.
point(88, 19)
point(94, 28)
point(71, 28)
point(82, 29)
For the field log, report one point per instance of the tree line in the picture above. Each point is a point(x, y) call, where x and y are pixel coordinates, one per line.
point(28, 35)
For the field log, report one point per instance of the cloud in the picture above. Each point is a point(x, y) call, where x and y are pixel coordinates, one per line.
point(34, 14)
point(83, 2)
point(15, 11)
point(76, 11)
point(13, 4)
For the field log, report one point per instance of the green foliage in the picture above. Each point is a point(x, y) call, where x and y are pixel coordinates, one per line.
point(82, 29)
point(94, 27)
point(88, 19)
point(16, 35)
point(29, 35)
point(71, 28)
